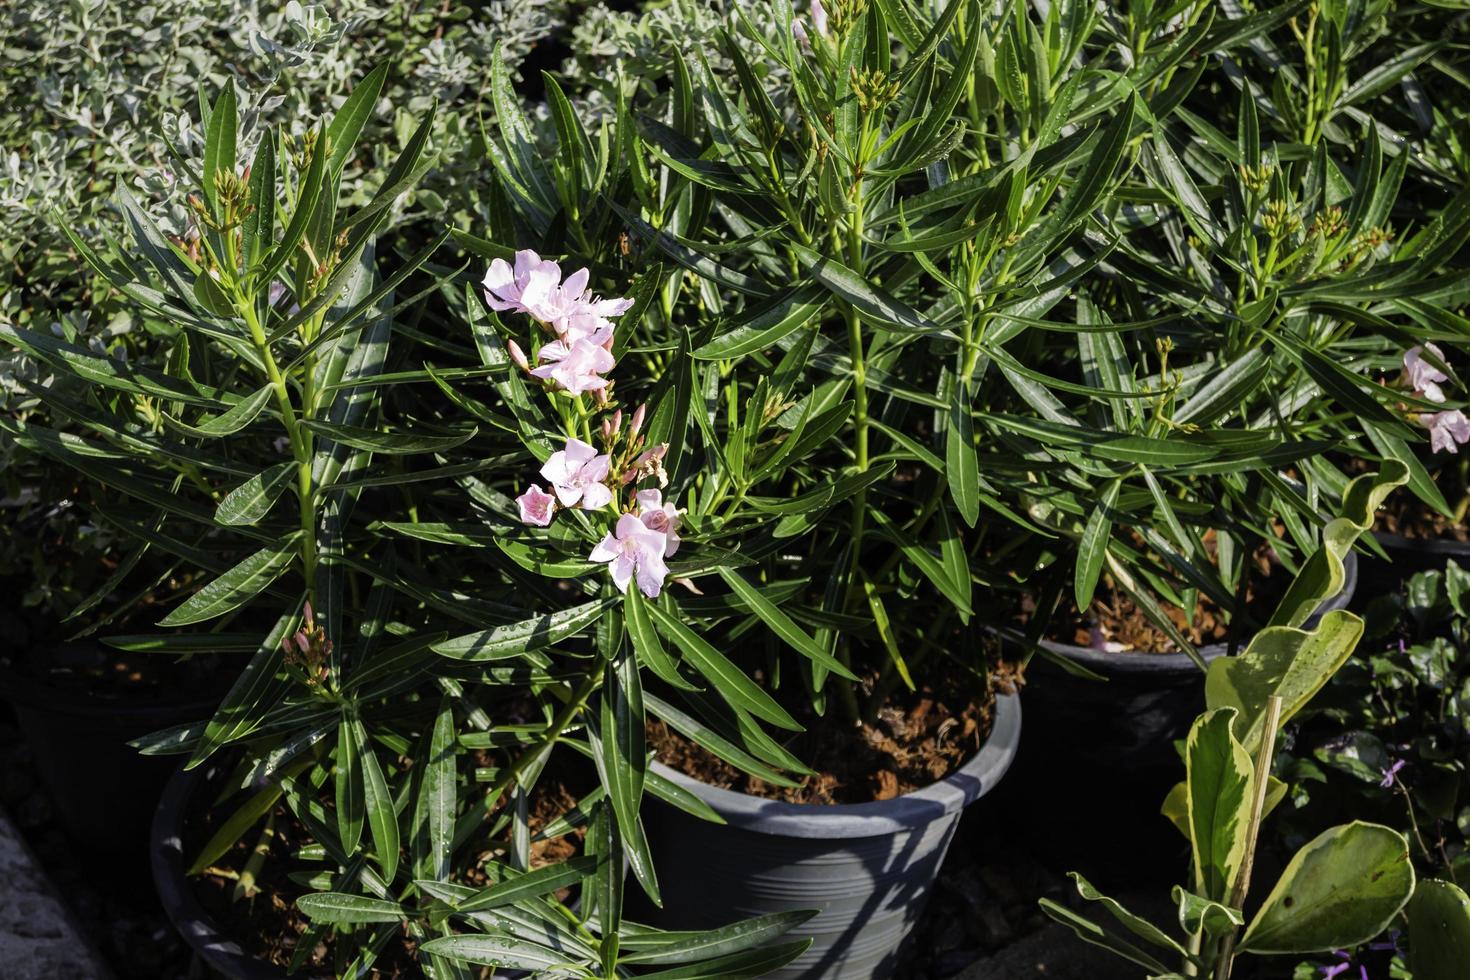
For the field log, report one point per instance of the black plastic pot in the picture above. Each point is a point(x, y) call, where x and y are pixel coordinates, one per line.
point(104, 790)
point(868, 867)
point(1408, 556)
point(1100, 754)
point(218, 952)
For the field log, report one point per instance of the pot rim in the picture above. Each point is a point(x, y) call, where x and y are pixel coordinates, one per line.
point(1446, 547)
point(1139, 663)
point(908, 812)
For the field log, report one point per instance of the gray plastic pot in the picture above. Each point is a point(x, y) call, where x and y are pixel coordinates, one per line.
point(868, 867)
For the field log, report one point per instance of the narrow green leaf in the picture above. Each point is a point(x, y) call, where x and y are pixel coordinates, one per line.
point(237, 586)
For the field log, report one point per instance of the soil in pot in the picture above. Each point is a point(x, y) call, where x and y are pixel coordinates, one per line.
point(1114, 622)
point(918, 738)
point(268, 927)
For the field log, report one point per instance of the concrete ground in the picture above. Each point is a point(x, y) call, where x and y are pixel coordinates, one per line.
point(37, 938)
point(1054, 953)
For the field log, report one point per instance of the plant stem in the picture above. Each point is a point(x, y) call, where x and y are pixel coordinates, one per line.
point(300, 447)
point(1264, 755)
point(559, 724)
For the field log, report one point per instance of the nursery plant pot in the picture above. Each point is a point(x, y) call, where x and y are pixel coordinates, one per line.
point(1129, 720)
point(221, 954)
point(1407, 556)
point(1108, 745)
point(868, 867)
point(104, 790)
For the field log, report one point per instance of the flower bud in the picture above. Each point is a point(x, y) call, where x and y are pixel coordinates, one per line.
point(636, 425)
point(518, 356)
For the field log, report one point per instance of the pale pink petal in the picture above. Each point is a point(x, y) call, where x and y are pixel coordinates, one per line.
point(1447, 430)
point(596, 496)
point(579, 453)
point(526, 260)
point(558, 468)
point(819, 17)
point(628, 526)
point(651, 574)
point(622, 571)
point(576, 283)
point(1421, 372)
point(607, 549)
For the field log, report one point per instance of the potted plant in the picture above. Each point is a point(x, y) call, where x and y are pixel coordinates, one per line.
point(1342, 888)
point(282, 443)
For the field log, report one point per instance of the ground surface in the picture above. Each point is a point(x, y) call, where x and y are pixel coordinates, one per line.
point(38, 939)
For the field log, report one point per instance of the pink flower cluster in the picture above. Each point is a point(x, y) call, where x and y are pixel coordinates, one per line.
point(582, 351)
point(579, 476)
point(1448, 430)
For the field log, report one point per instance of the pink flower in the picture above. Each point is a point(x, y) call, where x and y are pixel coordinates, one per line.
point(577, 367)
point(534, 287)
point(1447, 430)
point(661, 517)
point(1423, 376)
point(634, 549)
point(576, 474)
point(527, 288)
point(537, 506)
point(798, 31)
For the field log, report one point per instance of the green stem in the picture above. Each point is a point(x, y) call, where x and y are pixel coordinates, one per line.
point(300, 446)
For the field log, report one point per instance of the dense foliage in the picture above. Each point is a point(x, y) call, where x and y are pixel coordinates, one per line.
point(740, 374)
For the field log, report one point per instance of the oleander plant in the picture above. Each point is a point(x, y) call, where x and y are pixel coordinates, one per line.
point(615, 473)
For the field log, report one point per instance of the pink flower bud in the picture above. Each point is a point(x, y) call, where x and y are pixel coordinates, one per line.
point(309, 616)
point(518, 356)
point(636, 425)
point(617, 421)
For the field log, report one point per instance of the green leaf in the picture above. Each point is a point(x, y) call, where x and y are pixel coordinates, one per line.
point(254, 692)
point(225, 423)
point(237, 586)
point(247, 815)
point(646, 644)
point(1220, 785)
point(354, 112)
point(961, 465)
point(1092, 549)
point(1341, 889)
point(1323, 574)
point(348, 787)
point(518, 886)
point(533, 633)
point(622, 762)
point(1282, 661)
point(659, 949)
point(438, 796)
point(868, 299)
point(219, 140)
point(765, 325)
point(728, 679)
point(1439, 931)
point(501, 951)
point(781, 624)
point(389, 443)
point(1090, 932)
point(378, 803)
point(736, 966)
point(349, 909)
point(253, 499)
point(1139, 926)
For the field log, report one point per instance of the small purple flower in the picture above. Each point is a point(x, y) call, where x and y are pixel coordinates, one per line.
point(1391, 774)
